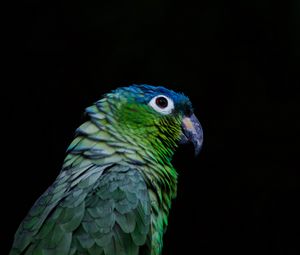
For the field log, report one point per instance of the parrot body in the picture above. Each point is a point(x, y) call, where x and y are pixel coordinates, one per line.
point(114, 191)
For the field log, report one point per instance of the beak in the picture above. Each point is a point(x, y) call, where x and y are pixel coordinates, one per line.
point(192, 132)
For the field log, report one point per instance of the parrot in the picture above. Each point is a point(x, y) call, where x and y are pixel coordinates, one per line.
point(113, 193)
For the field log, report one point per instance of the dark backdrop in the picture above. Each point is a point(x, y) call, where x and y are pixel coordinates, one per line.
point(238, 63)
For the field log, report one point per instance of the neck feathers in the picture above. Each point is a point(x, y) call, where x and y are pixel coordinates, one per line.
point(104, 140)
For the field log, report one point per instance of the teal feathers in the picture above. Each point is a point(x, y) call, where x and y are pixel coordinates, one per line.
point(114, 191)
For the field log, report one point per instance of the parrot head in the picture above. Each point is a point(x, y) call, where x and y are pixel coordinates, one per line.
point(157, 115)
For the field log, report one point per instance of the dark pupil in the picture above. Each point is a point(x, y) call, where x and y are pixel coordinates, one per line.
point(161, 102)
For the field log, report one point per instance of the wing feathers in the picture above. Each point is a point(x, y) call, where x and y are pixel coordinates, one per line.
point(89, 212)
point(117, 216)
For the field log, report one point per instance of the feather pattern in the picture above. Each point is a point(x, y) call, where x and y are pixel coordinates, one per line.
point(114, 191)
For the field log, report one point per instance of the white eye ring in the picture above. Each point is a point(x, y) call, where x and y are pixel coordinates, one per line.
point(162, 104)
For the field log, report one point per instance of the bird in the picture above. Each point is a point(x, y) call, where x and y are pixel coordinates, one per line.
point(114, 191)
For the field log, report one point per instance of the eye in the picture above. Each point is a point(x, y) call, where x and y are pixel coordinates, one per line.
point(162, 104)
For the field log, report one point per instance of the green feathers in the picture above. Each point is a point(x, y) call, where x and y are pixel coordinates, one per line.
point(114, 191)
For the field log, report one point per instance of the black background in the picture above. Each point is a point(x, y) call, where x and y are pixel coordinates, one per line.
point(239, 64)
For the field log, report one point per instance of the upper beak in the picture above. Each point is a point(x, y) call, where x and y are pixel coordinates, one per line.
point(192, 132)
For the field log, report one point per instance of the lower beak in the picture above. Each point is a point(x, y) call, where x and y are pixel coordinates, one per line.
point(192, 132)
